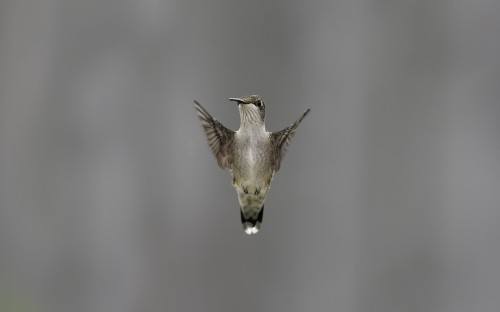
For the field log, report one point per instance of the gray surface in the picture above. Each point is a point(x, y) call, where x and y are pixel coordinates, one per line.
point(388, 199)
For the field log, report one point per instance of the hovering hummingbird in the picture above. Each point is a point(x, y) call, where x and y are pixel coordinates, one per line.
point(252, 155)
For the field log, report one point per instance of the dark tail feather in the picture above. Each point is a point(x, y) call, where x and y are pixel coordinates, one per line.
point(252, 225)
point(261, 214)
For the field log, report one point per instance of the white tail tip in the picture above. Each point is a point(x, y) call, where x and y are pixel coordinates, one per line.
point(250, 229)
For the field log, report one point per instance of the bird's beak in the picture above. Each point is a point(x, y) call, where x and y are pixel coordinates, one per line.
point(238, 100)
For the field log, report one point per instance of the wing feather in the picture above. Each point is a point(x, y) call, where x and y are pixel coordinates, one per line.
point(281, 140)
point(219, 137)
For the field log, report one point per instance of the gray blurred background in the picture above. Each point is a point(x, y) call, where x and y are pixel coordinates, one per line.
point(388, 199)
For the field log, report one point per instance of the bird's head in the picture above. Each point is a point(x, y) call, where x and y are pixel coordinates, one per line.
point(252, 109)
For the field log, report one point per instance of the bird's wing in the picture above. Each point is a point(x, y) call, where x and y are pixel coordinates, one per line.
point(281, 140)
point(219, 137)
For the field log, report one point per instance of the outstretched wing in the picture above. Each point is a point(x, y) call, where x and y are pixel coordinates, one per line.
point(281, 140)
point(219, 137)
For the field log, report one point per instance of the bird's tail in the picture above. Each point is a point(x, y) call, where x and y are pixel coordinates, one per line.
point(251, 221)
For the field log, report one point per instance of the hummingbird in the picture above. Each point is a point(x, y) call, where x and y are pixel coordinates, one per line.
point(251, 154)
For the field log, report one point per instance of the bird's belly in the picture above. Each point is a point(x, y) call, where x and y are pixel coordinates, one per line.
point(252, 179)
point(251, 168)
point(251, 201)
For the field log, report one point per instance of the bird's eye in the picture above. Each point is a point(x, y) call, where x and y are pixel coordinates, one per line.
point(258, 103)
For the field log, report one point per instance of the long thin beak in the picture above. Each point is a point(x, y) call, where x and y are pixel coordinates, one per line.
point(238, 100)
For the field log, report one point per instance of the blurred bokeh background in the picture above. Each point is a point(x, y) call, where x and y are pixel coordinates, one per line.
point(388, 199)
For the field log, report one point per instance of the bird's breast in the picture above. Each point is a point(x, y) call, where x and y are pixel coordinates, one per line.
point(251, 167)
point(251, 152)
